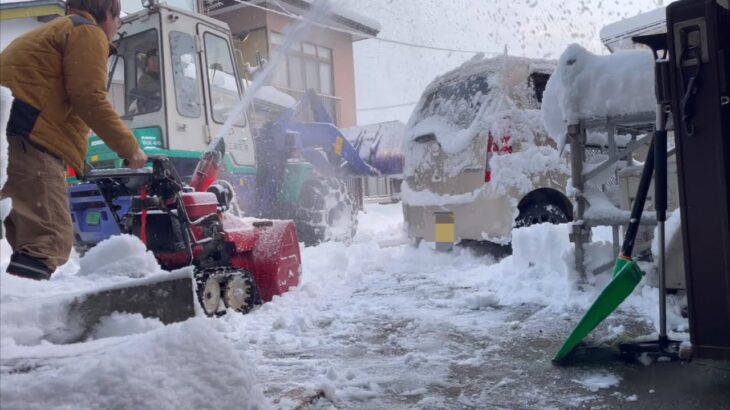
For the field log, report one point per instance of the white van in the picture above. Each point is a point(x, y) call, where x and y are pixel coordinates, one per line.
point(477, 159)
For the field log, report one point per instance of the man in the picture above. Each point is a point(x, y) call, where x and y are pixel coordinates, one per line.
point(57, 74)
point(149, 97)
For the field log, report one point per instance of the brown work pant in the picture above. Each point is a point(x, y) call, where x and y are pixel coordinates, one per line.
point(39, 224)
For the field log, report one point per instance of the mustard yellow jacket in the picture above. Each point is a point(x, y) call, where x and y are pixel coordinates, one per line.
point(58, 74)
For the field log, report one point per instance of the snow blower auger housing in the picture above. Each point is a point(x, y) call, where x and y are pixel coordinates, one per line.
point(238, 263)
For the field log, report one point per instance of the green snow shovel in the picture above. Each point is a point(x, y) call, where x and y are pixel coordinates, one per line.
point(626, 273)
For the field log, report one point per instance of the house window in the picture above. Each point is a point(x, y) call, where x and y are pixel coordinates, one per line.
point(307, 66)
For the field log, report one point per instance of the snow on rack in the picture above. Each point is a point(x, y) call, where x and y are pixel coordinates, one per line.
point(588, 86)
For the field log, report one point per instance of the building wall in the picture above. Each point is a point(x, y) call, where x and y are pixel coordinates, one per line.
point(343, 63)
point(11, 29)
point(250, 19)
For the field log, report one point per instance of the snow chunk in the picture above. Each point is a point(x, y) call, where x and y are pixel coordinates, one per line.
point(6, 100)
point(124, 324)
point(597, 381)
point(185, 365)
point(121, 255)
point(481, 301)
point(586, 85)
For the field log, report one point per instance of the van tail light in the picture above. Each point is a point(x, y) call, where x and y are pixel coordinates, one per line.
point(504, 147)
point(70, 173)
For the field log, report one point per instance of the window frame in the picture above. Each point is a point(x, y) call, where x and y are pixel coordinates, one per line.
point(208, 78)
point(133, 73)
point(298, 52)
point(199, 95)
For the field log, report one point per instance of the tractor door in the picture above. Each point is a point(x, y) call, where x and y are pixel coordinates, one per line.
point(222, 88)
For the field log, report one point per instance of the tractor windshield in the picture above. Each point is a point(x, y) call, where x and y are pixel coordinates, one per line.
point(136, 83)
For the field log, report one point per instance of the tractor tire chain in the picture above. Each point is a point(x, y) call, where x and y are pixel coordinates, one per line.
point(222, 274)
point(316, 215)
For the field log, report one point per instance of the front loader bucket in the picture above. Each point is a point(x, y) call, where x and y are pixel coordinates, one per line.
point(170, 299)
point(626, 275)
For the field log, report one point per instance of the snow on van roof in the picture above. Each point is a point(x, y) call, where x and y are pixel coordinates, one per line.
point(485, 66)
point(589, 86)
point(453, 101)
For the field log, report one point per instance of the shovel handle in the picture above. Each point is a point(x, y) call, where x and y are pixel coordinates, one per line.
point(638, 209)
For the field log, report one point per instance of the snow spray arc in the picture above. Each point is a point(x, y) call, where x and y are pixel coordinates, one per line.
point(319, 10)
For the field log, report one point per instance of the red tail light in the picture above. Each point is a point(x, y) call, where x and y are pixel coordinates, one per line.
point(70, 173)
point(492, 147)
point(503, 148)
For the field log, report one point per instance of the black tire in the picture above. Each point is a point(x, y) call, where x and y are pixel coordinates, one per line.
point(538, 213)
point(325, 212)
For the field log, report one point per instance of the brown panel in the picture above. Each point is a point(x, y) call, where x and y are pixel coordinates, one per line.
point(704, 172)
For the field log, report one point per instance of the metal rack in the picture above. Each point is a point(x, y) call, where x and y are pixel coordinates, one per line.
point(639, 126)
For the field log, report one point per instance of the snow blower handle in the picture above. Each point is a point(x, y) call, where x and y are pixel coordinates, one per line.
point(206, 172)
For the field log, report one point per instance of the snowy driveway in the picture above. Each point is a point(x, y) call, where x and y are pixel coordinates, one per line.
point(371, 327)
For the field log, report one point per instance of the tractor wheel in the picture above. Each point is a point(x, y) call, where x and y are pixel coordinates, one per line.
point(325, 212)
point(537, 213)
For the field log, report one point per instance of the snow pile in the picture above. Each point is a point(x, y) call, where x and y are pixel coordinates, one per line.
point(122, 324)
point(185, 365)
point(6, 99)
point(123, 255)
point(586, 86)
point(369, 326)
point(528, 169)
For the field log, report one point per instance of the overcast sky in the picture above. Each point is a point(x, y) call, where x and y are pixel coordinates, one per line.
point(389, 74)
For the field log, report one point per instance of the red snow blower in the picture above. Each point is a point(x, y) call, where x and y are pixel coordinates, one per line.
point(236, 263)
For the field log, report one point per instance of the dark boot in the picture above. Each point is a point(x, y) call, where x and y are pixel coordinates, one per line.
point(28, 267)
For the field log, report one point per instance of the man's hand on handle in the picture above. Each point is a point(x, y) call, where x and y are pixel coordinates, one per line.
point(138, 160)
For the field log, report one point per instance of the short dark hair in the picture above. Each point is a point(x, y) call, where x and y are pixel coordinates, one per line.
point(97, 8)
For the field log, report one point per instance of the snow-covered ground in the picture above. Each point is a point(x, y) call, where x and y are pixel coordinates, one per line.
point(374, 325)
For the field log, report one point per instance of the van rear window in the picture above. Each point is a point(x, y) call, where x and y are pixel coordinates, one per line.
point(457, 101)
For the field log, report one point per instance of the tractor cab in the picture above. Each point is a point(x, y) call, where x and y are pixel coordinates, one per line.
point(174, 81)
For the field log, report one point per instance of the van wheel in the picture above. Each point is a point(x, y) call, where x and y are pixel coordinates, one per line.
point(538, 213)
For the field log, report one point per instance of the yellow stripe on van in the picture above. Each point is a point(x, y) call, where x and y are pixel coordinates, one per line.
point(338, 146)
point(444, 233)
